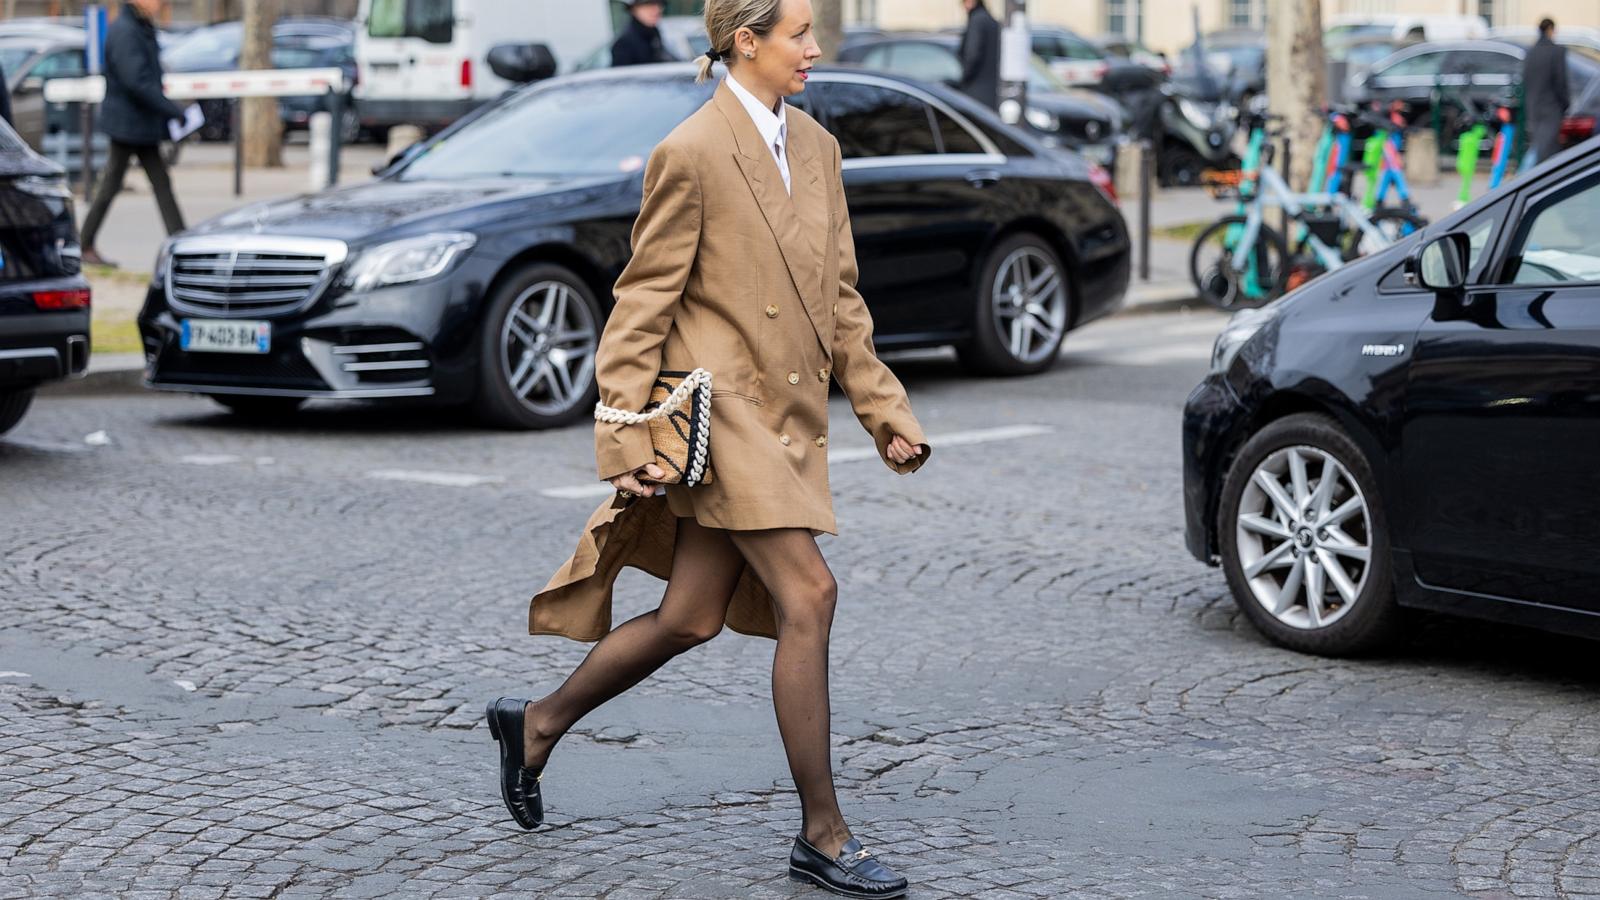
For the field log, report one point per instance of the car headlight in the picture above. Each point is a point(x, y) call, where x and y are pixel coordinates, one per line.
point(1192, 111)
point(1042, 119)
point(407, 260)
point(1238, 332)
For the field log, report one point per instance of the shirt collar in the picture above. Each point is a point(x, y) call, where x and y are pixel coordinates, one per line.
point(772, 126)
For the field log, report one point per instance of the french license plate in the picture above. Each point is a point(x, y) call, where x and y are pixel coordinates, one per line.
point(225, 336)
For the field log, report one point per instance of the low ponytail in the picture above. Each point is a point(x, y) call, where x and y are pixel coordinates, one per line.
point(724, 18)
point(704, 62)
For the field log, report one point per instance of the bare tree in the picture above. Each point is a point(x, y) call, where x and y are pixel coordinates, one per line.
point(828, 24)
point(1297, 81)
point(263, 129)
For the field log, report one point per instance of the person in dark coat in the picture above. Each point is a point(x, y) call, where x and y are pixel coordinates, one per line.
point(1545, 93)
point(980, 55)
point(134, 116)
point(640, 41)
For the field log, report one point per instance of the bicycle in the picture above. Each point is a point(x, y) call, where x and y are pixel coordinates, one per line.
point(1254, 264)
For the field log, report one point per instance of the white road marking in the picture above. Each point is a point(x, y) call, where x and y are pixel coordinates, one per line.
point(15, 675)
point(443, 479)
point(186, 685)
point(97, 439)
point(209, 459)
point(843, 454)
point(48, 446)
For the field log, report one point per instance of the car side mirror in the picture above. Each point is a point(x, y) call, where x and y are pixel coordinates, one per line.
point(1440, 264)
point(31, 85)
point(522, 63)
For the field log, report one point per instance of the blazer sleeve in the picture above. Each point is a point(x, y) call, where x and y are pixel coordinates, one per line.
point(875, 394)
point(665, 237)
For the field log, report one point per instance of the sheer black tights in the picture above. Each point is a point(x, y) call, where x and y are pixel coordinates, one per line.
point(706, 566)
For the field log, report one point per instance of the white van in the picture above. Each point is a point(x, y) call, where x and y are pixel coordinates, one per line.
point(422, 62)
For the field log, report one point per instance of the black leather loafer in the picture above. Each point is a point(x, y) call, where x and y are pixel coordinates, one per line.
point(853, 873)
point(519, 785)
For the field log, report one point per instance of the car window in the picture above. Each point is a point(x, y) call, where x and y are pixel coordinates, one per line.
point(1484, 62)
point(877, 57)
point(1559, 240)
point(925, 62)
point(12, 56)
point(61, 64)
point(873, 121)
point(432, 20)
point(1421, 64)
point(1047, 46)
point(216, 47)
point(603, 127)
point(956, 138)
point(1078, 48)
point(1480, 228)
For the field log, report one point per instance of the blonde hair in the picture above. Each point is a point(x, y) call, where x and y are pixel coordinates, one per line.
point(725, 17)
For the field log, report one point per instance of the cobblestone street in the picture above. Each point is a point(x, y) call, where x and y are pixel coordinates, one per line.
point(252, 661)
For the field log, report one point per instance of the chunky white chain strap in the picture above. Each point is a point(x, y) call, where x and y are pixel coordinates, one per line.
point(697, 378)
point(697, 381)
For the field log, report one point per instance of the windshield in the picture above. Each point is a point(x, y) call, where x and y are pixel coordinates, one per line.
point(601, 127)
point(431, 20)
point(12, 56)
point(216, 47)
point(1040, 78)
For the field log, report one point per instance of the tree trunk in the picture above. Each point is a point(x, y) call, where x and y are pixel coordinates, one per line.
point(1297, 80)
point(263, 129)
point(828, 22)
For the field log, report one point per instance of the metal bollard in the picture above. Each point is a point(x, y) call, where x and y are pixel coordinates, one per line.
point(321, 130)
point(1147, 178)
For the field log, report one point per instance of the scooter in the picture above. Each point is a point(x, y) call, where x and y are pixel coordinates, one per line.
point(1190, 135)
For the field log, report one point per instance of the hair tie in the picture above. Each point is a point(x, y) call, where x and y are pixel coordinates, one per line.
point(713, 55)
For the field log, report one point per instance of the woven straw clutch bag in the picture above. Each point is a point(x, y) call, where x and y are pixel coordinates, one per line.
point(679, 413)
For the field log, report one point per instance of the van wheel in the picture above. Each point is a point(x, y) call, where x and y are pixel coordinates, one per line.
point(14, 405)
point(536, 350)
point(1304, 541)
point(1023, 309)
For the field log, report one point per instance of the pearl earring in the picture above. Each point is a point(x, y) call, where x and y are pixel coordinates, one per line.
point(749, 56)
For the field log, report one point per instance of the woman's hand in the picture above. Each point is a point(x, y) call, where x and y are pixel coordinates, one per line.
point(900, 450)
point(634, 481)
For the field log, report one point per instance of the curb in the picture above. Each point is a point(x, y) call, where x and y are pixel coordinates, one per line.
point(118, 373)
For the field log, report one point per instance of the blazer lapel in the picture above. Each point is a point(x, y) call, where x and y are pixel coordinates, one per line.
point(797, 221)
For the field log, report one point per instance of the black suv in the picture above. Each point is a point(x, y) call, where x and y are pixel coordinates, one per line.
point(44, 301)
point(1419, 428)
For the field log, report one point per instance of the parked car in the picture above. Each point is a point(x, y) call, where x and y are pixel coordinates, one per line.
point(44, 300)
point(1081, 120)
point(1416, 429)
point(1123, 47)
point(1405, 28)
point(1234, 69)
point(478, 269)
point(1480, 70)
point(31, 58)
point(297, 42)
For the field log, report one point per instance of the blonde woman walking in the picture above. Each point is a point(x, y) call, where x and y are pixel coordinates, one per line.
point(742, 264)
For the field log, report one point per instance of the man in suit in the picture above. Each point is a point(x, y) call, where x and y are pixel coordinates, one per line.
point(1545, 91)
point(134, 115)
point(980, 55)
point(640, 41)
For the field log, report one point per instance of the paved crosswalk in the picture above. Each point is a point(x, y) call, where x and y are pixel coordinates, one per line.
point(1146, 340)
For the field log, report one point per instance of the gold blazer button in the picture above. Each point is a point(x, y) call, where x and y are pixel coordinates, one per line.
point(822, 374)
point(822, 440)
point(772, 310)
point(794, 377)
point(836, 309)
point(783, 439)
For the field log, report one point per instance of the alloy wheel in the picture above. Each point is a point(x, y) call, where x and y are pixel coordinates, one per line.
point(1029, 302)
point(547, 346)
point(1304, 537)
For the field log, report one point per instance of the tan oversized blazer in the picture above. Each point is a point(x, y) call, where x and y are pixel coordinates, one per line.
point(732, 274)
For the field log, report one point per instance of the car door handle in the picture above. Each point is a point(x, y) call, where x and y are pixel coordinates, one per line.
point(982, 178)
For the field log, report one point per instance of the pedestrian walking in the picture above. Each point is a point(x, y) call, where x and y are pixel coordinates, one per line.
point(134, 116)
point(640, 40)
point(1545, 94)
point(980, 55)
point(743, 264)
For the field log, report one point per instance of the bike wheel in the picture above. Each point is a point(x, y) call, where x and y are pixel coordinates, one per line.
point(1393, 223)
point(1212, 271)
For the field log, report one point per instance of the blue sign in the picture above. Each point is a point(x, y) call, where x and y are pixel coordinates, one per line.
point(94, 46)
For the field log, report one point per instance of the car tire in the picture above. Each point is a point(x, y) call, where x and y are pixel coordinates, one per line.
point(14, 405)
point(1179, 166)
point(534, 371)
point(1275, 564)
point(995, 347)
point(260, 409)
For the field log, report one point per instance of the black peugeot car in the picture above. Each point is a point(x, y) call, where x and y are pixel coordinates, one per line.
point(44, 301)
point(479, 266)
point(1419, 428)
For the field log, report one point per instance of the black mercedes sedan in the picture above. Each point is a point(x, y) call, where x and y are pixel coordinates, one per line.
point(44, 300)
point(478, 267)
point(1420, 428)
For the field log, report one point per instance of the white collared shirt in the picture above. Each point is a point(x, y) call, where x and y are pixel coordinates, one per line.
point(774, 127)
